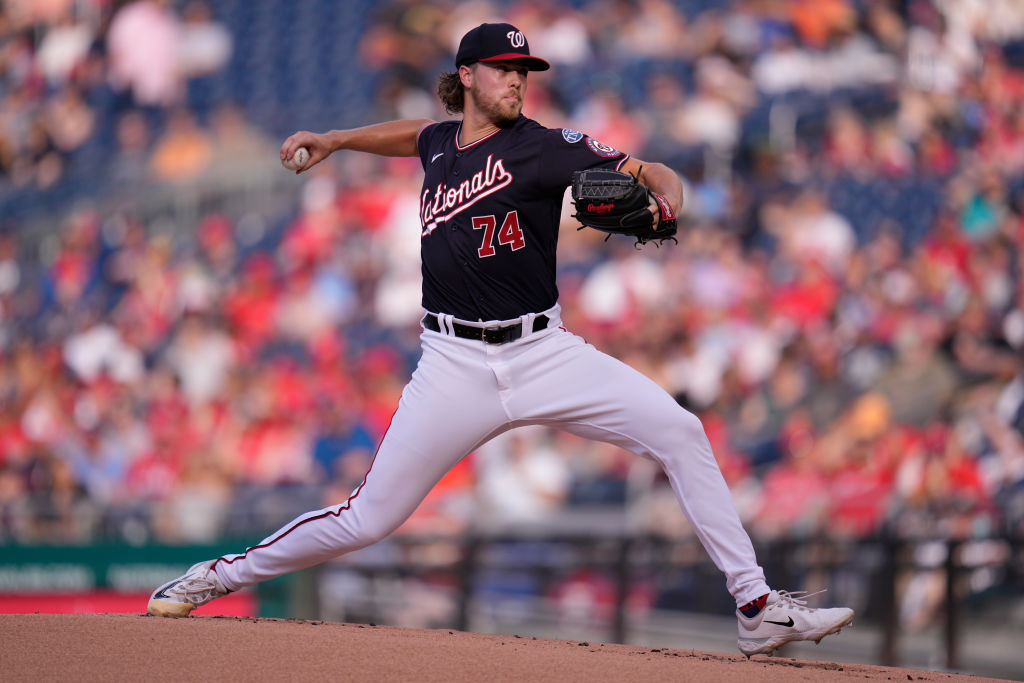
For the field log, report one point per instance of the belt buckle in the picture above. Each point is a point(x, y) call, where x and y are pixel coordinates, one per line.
point(494, 335)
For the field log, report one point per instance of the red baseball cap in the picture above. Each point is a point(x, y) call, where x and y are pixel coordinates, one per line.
point(497, 43)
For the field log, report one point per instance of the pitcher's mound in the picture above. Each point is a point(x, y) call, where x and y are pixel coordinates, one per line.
point(138, 647)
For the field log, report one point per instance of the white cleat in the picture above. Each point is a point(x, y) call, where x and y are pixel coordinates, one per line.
point(786, 618)
point(195, 587)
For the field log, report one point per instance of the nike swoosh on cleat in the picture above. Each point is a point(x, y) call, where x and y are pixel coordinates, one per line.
point(781, 623)
point(162, 593)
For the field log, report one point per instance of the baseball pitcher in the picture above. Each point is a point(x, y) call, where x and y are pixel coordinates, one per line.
point(495, 354)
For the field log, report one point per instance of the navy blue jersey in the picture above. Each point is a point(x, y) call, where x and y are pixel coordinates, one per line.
point(490, 211)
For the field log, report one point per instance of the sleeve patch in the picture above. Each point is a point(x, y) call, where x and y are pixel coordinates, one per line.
point(601, 149)
point(571, 135)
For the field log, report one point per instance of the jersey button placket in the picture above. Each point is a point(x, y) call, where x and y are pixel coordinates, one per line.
point(455, 172)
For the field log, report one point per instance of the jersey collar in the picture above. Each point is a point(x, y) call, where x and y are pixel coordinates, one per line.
point(475, 142)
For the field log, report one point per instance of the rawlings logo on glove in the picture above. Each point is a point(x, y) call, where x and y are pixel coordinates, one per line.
point(618, 204)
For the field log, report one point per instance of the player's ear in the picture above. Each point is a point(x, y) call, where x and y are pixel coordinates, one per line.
point(466, 75)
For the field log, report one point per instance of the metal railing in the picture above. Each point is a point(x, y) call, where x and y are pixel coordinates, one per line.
point(867, 574)
point(980, 583)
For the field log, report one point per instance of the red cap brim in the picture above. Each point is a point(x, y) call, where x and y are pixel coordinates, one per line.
point(533, 63)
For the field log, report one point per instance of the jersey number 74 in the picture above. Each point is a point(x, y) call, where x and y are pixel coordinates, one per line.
point(510, 233)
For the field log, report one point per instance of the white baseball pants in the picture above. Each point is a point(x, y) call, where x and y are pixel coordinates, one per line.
point(465, 392)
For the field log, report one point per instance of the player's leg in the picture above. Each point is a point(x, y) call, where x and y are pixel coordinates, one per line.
point(569, 383)
point(575, 386)
point(448, 408)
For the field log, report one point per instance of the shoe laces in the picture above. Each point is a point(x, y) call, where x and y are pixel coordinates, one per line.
point(797, 599)
point(196, 589)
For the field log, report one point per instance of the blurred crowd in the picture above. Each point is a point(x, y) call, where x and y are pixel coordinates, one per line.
point(73, 70)
point(855, 375)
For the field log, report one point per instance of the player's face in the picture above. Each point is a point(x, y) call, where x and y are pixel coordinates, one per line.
point(498, 90)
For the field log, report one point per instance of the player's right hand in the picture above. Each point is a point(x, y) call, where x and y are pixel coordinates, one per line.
point(318, 144)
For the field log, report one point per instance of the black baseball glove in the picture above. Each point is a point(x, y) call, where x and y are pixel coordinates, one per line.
point(619, 204)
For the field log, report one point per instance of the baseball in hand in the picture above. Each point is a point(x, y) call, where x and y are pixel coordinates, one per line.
point(298, 160)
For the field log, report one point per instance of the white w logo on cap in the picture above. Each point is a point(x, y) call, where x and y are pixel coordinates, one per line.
point(516, 38)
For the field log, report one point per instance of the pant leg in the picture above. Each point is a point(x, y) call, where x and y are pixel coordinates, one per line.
point(565, 382)
point(448, 408)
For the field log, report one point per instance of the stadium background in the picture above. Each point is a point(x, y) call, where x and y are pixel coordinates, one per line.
point(196, 345)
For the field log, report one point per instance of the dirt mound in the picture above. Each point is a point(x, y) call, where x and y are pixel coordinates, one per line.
point(135, 647)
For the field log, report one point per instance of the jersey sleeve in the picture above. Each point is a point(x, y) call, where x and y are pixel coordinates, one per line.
point(425, 141)
point(565, 150)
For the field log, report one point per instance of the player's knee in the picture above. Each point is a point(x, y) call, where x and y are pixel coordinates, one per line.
point(371, 531)
point(690, 425)
point(683, 428)
point(680, 423)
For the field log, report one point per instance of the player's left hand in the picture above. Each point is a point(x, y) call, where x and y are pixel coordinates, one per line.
point(655, 209)
point(619, 204)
